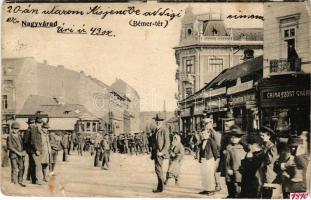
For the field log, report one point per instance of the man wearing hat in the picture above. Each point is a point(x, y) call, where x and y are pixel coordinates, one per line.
point(105, 147)
point(98, 139)
point(55, 147)
point(26, 141)
point(16, 154)
point(234, 155)
point(291, 168)
point(271, 154)
point(160, 147)
point(216, 136)
point(65, 146)
point(81, 142)
point(35, 149)
point(46, 151)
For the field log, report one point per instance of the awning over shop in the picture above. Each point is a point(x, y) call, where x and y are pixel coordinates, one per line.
point(250, 67)
point(247, 73)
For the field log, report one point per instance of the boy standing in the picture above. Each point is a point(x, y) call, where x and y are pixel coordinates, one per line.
point(234, 155)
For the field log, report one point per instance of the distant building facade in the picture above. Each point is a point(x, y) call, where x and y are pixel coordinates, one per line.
point(207, 47)
point(131, 115)
point(23, 77)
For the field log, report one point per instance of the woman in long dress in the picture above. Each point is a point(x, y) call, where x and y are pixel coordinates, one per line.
point(176, 154)
point(208, 155)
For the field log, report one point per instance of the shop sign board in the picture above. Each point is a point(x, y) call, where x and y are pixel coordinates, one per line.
point(242, 99)
point(286, 93)
point(240, 87)
point(185, 112)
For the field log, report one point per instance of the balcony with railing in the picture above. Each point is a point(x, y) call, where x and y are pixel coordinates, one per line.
point(285, 66)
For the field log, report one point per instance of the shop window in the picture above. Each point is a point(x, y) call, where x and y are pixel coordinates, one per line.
point(94, 127)
point(82, 127)
point(5, 101)
point(215, 65)
point(277, 118)
point(88, 127)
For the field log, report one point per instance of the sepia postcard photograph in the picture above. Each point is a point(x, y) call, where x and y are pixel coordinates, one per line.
point(156, 100)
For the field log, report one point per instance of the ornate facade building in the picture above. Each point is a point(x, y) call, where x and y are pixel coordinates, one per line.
point(207, 47)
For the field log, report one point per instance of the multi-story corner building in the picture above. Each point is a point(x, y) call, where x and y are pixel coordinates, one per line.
point(131, 118)
point(23, 77)
point(285, 89)
point(207, 47)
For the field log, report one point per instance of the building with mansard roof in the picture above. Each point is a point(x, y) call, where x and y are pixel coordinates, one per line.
point(207, 47)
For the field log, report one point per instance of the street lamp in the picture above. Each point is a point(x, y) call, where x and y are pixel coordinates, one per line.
point(178, 112)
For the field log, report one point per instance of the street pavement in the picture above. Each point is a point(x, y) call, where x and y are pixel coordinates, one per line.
point(128, 176)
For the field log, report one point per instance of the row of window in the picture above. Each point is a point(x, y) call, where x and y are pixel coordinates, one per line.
point(215, 65)
point(4, 101)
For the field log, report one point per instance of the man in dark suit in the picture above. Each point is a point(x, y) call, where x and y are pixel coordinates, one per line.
point(65, 146)
point(35, 150)
point(26, 141)
point(16, 155)
point(160, 146)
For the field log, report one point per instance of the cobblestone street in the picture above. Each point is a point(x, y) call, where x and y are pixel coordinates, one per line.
point(128, 176)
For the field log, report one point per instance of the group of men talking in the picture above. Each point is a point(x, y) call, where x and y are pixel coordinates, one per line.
point(35, 142)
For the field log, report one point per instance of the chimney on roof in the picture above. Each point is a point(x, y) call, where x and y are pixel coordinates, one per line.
point(61, 100)
point(82, 72)
point(248, 54)
point(45, 62)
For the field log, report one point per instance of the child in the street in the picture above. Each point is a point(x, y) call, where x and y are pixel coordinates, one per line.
point(105, 145)
point(176, 153)
point(234, 155)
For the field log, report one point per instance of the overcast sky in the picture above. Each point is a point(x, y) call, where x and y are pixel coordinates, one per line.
point(143, 57)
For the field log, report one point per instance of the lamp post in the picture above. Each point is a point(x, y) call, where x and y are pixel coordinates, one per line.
point(178, 113)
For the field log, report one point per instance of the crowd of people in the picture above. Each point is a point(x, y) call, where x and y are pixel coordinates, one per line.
point(37, 145)
point(254, 165)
